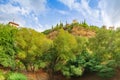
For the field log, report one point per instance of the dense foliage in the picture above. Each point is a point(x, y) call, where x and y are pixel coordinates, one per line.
point(16, 76)
point(7, 46)
point(71, 55)
point(31, 46)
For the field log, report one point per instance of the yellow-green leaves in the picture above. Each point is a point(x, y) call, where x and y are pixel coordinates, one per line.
point(64, 44)
point(31, 45)
point(7, 46)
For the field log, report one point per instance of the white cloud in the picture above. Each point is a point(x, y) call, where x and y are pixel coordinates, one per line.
point(110, 12)
point(83, 8)
point(25, 13)
point(37, 6)
point(9, 9)
point(10, 13)
point(62, 12)
point(107, 11)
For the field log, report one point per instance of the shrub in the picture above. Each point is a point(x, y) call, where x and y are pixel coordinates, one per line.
point(16, 76)
point(2, 76)
point(106, 70)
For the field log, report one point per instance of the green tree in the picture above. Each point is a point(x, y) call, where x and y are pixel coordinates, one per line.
point(7, 46)
point(84, 24)
point(102, 44)
point(116, 47)
point(61, 52)
point(76, 67)
point(64, 44)
point(31, 45)
point(102, 47)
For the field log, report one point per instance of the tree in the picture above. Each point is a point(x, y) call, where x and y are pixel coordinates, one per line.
point(84, 24)
point(102, 47)
point(116, 47)
point(32, 45)
point(64, 45)
point(7, 46)
point(81, 44)
point(76, 67)
point(102, 44)
point(61, 52)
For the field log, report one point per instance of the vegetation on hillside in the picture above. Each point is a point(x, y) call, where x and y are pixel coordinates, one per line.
point(70, 52)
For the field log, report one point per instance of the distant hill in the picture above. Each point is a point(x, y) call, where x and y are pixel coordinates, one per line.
point(77, 29)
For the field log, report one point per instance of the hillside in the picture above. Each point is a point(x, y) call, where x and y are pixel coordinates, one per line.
point(65, 52)
point(76, 29)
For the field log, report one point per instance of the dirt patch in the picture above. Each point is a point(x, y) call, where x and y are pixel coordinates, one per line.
point(41, 75)
point(82, 32)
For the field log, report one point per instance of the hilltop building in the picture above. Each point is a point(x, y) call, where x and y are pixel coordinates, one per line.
point(13, 24)
point(111, 28)
point(74, 21)
point(104, 27)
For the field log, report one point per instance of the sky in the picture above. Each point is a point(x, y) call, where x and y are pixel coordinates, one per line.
point(43, 14)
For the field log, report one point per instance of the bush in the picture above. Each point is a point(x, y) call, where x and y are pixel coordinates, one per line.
point(47, 31)
point(16, 76)
point(106, 70)
point(2, 76)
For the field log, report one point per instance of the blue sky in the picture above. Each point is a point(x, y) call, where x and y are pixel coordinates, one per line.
point(42, 14)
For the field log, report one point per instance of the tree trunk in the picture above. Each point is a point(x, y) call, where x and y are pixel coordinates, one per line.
point(51, 74)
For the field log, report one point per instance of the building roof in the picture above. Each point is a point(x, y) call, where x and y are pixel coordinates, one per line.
point(13, 23)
